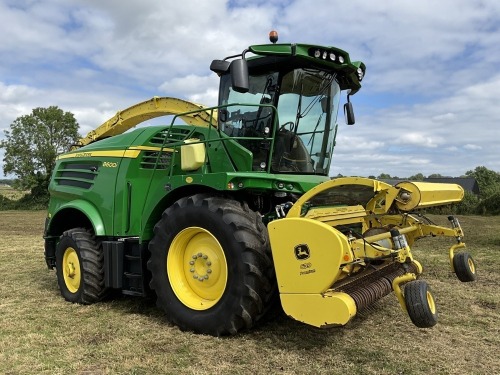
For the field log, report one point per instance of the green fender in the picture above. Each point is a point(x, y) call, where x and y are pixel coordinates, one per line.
point(88, 210)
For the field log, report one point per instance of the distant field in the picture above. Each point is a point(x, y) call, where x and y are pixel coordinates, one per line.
point(10, 193)
point(41, 333)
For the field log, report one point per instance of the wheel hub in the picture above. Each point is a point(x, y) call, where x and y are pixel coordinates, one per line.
point(71, 270)
point(200, 267)
point(197, 269)
point(431, 303)
point(471, 265)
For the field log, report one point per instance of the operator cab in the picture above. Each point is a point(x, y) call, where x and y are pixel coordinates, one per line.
point(283, 109)
point(297, 108)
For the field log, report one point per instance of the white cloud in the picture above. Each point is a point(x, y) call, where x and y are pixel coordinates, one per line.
point(13, 103)
point(419, 139)
point(430, 92)
point(472, 147)
point(200, 89)
point(429, 137)
point(349, 144)
point(444, 118)
point(147, 41)
point(407, 45)
point(15, 94)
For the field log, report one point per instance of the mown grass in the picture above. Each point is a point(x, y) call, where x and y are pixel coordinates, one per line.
point(41, 333)
point(11, 193)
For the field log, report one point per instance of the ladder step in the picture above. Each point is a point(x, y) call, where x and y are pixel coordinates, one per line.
point(132, 275)
point(132, 257)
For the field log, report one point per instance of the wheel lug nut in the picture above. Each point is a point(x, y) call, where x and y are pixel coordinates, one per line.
point(209, 263)
point(205, 257)
point(191, 270)
point(194, 256)
point(195, 276)
point(206, 277)
point(191, 262)
point(200, 255)
point(209, 271)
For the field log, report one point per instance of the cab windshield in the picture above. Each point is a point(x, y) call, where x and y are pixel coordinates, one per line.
point(303, 131)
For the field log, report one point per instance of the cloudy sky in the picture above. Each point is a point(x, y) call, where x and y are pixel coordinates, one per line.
point(430, 102)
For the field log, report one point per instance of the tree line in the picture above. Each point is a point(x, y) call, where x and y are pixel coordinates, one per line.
point(34, 141)
point(30, 149)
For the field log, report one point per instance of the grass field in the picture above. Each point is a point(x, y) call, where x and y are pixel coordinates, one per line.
point(11, 193)
point(41, 333)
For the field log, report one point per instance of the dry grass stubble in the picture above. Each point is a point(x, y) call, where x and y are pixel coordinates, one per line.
point(41, 333)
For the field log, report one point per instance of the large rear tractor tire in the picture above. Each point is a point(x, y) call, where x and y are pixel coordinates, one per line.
point(80, 267)
point(464, 266)
point(420, 304)
point(211, 265)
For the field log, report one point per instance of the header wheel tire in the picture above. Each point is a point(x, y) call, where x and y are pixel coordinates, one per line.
point(420, 304)
point(464, 266)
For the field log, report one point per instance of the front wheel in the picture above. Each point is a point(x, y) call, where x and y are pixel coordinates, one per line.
point(211, 265)
point(80, 267)
point(420, 304)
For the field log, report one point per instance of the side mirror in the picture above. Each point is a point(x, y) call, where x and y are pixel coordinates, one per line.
point(239, 75)
point(219, 66)
point(349, 113)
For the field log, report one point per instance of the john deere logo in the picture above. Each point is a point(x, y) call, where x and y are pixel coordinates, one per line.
point(302, 252)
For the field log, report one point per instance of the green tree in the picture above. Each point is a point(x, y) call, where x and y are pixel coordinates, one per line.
point(435, 175)
point(34, 141)
point(487, 180)
point(417, 177)
point(384, 176)
point(469, 205)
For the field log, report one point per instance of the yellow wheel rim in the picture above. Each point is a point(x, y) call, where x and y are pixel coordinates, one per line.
point(471, 265)
point(431, 303)
point(197, 268)
point(71, 270)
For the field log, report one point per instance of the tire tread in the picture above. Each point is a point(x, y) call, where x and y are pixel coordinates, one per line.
point(461, 267)
point(247, 229)
point(415, 293)
point(92, 263)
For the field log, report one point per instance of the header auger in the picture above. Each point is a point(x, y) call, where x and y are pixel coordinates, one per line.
point(223, 213)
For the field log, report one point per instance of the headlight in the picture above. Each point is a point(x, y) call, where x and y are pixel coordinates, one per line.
point(360, 74)
point(327, 54)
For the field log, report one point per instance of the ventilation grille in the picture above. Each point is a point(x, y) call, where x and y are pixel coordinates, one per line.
point(149, 160)
point(80, 175)
point(165, 138)
point(175, 135)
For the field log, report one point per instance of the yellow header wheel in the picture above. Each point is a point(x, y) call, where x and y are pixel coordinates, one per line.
point(71, 270)
point(197, 268)
point(420, 304)
point(430, 302)
point(464, 266)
